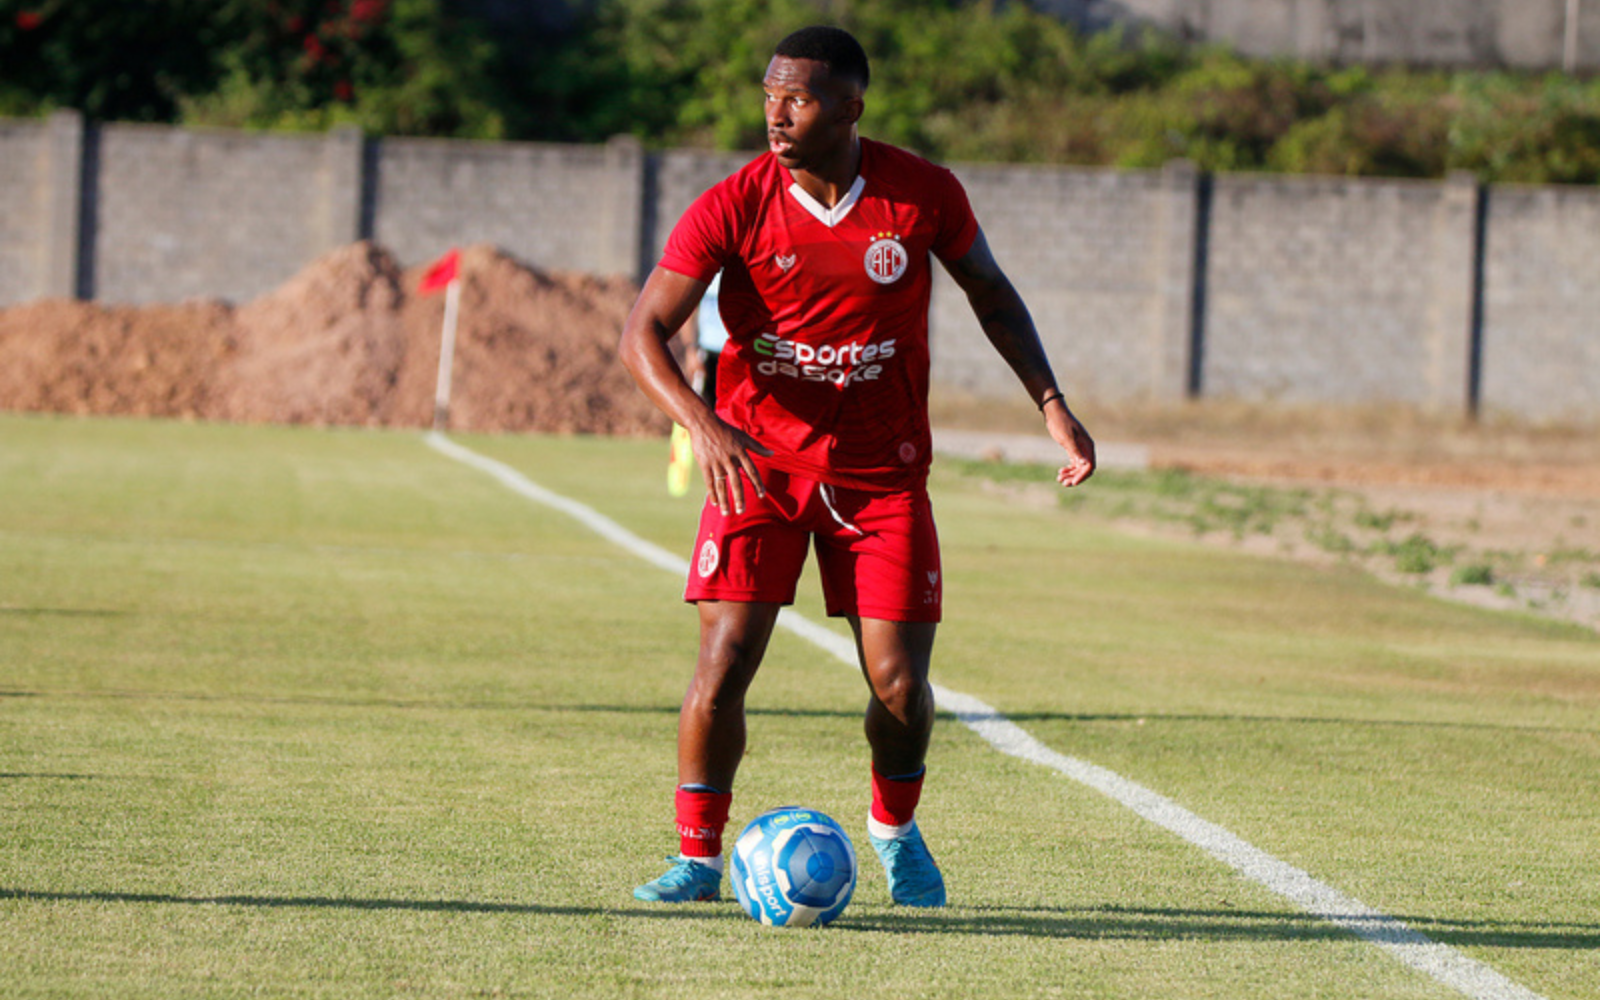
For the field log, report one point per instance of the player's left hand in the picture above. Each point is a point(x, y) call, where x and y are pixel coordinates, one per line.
point(1074, 440)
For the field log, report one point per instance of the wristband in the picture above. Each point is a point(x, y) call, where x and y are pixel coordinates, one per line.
point(1051, 397)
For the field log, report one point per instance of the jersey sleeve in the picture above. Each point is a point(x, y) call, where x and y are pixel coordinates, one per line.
point(958, 226)
point(702, 239)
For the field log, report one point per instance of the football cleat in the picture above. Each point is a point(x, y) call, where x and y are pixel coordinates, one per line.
point(687, 881)
point(914, 878)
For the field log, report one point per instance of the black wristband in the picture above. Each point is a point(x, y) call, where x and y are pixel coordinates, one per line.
point(1050, 397)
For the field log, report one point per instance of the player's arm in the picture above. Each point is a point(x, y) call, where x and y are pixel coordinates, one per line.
point(723, 452)
point(1009, 326)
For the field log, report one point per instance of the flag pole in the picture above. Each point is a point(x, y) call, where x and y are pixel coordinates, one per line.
point(447, 350)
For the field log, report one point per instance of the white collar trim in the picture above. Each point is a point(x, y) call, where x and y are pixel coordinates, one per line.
point(829, 217)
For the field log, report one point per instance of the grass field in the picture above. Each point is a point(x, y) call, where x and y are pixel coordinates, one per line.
point(323, 713)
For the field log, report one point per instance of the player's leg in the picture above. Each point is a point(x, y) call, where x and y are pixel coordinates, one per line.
point(880, 569)
point(745, 569)
point(711, 724)
point(895, 658)
point(711, 742)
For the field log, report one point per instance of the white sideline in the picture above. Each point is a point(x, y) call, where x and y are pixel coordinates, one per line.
point(1413, 949)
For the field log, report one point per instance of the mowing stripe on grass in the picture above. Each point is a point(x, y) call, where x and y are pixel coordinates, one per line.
point(1415, 950)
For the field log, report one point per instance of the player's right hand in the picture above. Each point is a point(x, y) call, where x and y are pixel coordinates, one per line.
point(724, 453)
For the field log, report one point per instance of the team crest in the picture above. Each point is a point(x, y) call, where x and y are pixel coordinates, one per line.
point(785, 262)
point(709, 558)
point(886, 259)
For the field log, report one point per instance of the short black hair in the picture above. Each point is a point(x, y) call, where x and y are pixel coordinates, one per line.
point(836, 48)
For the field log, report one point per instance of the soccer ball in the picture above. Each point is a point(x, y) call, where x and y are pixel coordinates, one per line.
point(793, 867)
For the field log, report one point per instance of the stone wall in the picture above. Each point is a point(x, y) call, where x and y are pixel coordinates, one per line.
point(1540, 349)
point(1527, 34)
point(1146, 286)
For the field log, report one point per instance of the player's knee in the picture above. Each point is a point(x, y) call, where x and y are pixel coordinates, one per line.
point(711, 702)
point(907, 696)
point(723, 673)
point(726, 656)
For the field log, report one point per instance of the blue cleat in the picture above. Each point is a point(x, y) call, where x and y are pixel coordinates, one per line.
point(914, 878)
point(687, 881)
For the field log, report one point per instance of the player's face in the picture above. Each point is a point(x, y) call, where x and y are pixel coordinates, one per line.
point(810, 115)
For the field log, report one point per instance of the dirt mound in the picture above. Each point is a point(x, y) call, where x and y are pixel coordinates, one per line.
point(77, 357)
point(344, 342)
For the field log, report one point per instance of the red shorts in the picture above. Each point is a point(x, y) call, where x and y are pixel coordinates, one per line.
point(878, 552)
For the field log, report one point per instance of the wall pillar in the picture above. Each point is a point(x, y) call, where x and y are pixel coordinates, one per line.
point(1180, 280)
point(61, 174)
point(1455, 310)
point(622, 213)
point(344, 189)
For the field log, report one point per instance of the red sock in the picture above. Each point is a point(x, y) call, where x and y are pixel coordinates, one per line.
point(701, 818)
point(894, 800)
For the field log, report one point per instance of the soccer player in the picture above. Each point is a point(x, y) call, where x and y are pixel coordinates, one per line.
point(820, 436)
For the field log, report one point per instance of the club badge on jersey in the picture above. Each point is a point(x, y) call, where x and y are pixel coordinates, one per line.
point(886, 259)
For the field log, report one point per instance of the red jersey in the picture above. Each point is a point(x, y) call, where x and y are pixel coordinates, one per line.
point(827, 310)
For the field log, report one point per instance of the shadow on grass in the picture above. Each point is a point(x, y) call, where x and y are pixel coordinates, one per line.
point(1173, 924)
point(1146, 718)
point(1083, 923)
point(407, 704)
point(406, 905)
point(63, 612)
point(48, 776)
point(849, 712)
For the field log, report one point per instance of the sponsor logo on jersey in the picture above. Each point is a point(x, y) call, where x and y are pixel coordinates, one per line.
point(844, 365)
point(886, 259)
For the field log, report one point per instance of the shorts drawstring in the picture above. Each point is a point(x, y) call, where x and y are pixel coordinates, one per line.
point(826, 492)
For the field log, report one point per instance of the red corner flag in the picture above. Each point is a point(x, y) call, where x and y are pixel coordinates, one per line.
point(440, 273)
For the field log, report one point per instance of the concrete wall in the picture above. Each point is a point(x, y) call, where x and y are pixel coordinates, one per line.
point(24, 195)
point(1530, 34)
point(1330, 290)
point(1103, 260)
point(1146, 286)
point(1541, 304)
point(572, 208)
point(177, 214)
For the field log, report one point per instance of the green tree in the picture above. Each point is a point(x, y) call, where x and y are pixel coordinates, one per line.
point(108, 58)
point(397, 67)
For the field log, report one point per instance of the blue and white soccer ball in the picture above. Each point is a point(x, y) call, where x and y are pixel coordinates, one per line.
point(794, 867)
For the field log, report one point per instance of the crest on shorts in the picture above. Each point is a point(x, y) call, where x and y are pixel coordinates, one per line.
point(886, 259)
point(709, 557)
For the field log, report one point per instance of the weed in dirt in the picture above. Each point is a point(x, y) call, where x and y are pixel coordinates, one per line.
point(1381, 522)
point(1173, 496)
point(1330, 539)
point(1327, 521)
point(1416, 554)
point(1475, 575)
point(1566, 554)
